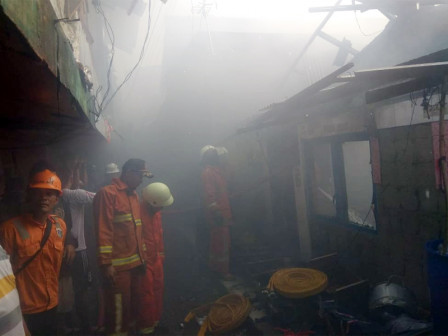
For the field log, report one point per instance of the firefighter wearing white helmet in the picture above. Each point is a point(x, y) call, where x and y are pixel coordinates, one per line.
point(206, 149)
point(155, 197)
point(217, 213)
point(112, 168)
point(112, 171)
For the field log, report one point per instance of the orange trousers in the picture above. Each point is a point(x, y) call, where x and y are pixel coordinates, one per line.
point(151, 297)
point(121, 300)
point(219, 249)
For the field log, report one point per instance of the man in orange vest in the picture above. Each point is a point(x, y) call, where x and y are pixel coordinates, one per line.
point(35, 243)
point(218, 214)
point(120, 251)
point(155, 197)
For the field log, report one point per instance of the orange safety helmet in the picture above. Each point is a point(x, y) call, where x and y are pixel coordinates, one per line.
point(46, 179)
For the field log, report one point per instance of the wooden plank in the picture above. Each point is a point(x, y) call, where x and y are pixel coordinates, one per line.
point(351, 286)
point(392, 74)
point(340, 8)
point(338, 43)
point(390, 91)
point(324, 263)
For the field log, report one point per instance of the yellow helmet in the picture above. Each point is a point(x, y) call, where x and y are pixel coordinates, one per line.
point(157, 194)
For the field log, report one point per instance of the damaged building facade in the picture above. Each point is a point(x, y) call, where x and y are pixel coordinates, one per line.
point(360, 154)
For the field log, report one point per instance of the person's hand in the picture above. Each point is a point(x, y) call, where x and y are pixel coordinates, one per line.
point(109, 273)
point(69, 254)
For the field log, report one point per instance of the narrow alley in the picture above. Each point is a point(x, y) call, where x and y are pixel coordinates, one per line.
point(223, 167)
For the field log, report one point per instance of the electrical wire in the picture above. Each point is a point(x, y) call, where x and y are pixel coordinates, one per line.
point(104, 102)
point(414, 104)
point(204, 9)
point(359, 25)
point(111, 35)
point(129, 75)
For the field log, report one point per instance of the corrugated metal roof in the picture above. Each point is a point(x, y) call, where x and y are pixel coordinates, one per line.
point(417, 39)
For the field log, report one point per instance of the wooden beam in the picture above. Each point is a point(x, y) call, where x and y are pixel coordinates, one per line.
point(338, 43)
point(340, 8)
point(310, 41)
point(392, 74)
point(390, 91)
point(307, 92)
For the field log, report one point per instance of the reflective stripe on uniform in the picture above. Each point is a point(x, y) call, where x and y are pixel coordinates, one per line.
point(122, 218)
point(105, 249)
point(147, 331)
point(125, 261)
point(22, 231)
point(126, 218)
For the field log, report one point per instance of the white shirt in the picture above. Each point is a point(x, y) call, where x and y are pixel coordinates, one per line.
point(77, 199)
point(10, 314)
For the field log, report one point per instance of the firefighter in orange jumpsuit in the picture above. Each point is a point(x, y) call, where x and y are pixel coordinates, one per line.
point(120, 256)
point(155, 197)
point(35, 243)
point(218, 214)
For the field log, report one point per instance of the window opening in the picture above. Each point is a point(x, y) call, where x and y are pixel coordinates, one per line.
point(342, 188)
point(358, 182)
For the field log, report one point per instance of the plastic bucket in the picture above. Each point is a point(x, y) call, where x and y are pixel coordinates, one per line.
point(438, 286)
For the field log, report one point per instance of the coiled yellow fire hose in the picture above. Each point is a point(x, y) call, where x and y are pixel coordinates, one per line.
point(298, 283)
point(226, 313)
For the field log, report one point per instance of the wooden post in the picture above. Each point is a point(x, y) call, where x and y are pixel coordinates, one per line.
point(303, 224)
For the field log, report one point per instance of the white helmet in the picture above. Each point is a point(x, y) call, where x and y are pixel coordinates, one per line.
point(222, 151)
point(206, 148)
point(112, 168)
point(157, 194)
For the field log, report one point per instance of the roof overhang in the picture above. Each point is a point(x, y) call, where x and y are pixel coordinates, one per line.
point(39, 106)
point(373, 84)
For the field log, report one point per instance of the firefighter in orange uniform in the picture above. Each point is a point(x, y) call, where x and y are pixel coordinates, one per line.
point(155, 197)
point(218, 214)
point(35, 243)
point(120, 256)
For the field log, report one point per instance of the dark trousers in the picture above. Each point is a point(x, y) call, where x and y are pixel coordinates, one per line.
point(43, 323)
point(85, 286)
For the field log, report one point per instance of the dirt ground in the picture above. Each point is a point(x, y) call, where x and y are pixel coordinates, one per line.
point(188, 282)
